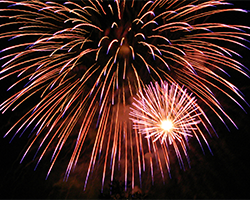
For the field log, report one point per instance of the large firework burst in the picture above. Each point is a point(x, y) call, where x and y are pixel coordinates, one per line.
point(87, 59)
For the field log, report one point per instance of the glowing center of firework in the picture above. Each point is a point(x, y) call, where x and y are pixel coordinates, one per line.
point(167, 125)
point(124, 51)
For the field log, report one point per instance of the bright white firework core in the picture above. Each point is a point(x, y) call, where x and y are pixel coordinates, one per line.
point(167, 125)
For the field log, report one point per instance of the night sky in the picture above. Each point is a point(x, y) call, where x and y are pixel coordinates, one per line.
point(225, 174)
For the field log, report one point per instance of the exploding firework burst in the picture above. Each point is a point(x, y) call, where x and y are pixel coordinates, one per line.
point(87, 59)
point(167, 114)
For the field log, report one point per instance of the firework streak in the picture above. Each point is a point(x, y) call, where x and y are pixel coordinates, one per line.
point(87, 59)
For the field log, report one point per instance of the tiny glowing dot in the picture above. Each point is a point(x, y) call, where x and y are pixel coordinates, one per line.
point(167, 125)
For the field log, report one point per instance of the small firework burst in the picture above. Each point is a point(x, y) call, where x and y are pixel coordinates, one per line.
point(167, 114)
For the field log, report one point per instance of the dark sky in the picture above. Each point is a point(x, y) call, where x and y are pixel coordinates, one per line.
point(225, 174)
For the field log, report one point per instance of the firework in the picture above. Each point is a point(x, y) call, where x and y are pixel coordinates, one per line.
point(87, 59)
point(167, 115)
